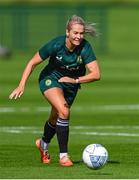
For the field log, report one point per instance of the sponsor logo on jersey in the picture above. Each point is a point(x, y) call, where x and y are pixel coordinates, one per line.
point(72, 68)
point(48, 82)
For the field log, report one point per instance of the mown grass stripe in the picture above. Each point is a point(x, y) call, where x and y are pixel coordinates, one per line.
point(111, 107)
point(35, 130)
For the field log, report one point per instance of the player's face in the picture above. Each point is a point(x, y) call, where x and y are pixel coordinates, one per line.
point(75, 34)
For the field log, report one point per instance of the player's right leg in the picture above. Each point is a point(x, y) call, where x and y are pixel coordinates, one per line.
point(53, 92)
point(49, 131)
point(45, 157)
point(50, 126)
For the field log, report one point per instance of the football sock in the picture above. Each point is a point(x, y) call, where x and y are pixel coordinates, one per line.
point(44, 145)
point(62, 131)
point(62, 155)
point(49, 132)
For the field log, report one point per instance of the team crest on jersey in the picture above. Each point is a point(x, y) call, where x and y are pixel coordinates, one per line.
point(79, 60)
point(48, 82)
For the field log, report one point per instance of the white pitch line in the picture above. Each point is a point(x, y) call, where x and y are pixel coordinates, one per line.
point(105, 127)
point(36, 130)
point(28, 128)
point(107, 134)
point(80, 109)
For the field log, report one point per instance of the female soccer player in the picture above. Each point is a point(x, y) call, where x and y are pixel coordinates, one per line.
point(69, 57)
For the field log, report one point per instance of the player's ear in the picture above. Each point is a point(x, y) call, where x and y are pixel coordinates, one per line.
point(67, 32)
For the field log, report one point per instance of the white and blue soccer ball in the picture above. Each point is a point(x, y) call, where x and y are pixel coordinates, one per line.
point(95, 156)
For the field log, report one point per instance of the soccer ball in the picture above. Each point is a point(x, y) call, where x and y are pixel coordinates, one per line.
point(95, 156)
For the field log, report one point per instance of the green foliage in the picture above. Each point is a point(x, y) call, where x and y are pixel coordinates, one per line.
point(68, 1)
point(27, 22)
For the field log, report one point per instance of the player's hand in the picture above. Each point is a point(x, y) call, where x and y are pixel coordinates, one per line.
point(16, 93)
point(67, 79)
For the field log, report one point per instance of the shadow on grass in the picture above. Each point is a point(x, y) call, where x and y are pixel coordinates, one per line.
point(78, 162)
point(110, 162)
point(113, 162)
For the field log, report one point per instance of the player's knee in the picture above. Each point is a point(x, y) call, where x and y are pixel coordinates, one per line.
point(53, 120)
point(64, 112)
point(53, 116)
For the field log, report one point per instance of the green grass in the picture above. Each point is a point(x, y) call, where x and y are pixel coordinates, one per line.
point(104, 112)
point(108, 108)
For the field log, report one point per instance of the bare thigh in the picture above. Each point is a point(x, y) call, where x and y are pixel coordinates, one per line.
point(55, 97)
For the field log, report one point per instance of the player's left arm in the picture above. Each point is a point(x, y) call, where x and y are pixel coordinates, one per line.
point(92, 75)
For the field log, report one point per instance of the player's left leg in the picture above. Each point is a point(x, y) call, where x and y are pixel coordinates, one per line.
point(55, 97)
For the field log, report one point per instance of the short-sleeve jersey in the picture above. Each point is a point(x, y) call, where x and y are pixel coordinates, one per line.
point(62, 62)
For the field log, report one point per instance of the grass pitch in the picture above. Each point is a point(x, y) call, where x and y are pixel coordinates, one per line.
point(104, 112)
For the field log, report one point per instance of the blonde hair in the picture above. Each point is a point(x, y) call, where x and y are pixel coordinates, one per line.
point(88, 27)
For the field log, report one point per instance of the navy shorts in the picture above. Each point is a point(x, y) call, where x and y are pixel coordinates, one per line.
point(70, 90)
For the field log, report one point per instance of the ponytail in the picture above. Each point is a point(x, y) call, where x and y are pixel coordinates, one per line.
point(88, 27)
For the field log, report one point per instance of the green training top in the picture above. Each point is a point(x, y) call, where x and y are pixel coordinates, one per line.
point(62, 62)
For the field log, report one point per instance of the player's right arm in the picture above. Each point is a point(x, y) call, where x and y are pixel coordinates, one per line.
point(26, 73)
